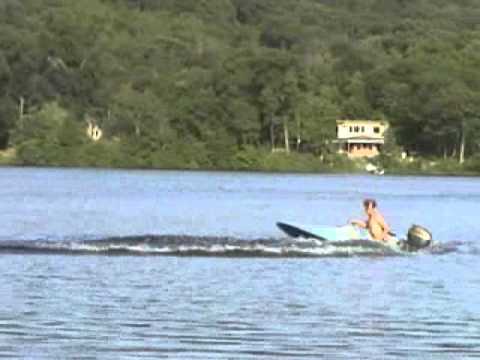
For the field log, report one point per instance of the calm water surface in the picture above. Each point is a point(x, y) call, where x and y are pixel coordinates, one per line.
point(59, 305)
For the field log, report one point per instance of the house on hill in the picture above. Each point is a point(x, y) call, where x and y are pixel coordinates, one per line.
point(360, 138)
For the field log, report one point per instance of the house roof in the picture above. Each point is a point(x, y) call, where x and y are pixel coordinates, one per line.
point(359, 121)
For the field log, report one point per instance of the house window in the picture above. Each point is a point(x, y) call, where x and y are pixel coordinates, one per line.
point(351, 129)
point(356, 129)
point(363, 129)
point(376, 130)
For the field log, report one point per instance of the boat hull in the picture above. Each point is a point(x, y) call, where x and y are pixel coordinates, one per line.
point(338, 235)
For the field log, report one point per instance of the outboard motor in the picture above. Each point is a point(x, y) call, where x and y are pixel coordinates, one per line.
point(418, 238)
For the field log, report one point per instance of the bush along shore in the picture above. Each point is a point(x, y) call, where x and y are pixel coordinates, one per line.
point(132, 155)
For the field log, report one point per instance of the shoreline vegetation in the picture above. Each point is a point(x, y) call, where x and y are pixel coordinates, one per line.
point(259, 161)
point(242, 85)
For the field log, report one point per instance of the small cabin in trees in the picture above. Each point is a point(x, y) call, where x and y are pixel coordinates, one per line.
point(361, 138)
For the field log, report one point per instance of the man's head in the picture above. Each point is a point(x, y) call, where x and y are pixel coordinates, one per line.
point(369, 205)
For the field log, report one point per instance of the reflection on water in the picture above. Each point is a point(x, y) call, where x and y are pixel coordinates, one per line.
point(120, 307)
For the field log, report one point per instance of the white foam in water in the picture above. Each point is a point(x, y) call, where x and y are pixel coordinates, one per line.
point(208, 246)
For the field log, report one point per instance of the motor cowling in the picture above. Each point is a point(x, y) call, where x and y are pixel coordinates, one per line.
point(418, 237)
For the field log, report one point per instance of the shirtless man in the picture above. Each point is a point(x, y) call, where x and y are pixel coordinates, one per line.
point(375, 224)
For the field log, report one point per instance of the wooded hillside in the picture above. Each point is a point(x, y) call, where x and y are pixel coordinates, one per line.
point(207, 81)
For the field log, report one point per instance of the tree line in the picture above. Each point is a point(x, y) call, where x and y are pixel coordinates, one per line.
point(217, 83)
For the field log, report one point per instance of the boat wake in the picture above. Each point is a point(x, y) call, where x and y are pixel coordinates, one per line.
point(177, 245)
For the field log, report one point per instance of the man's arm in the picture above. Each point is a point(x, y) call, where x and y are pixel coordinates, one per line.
point(385, 226)
point(359, 223)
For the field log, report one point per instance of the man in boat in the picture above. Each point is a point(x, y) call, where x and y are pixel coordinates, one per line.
point(375, 223)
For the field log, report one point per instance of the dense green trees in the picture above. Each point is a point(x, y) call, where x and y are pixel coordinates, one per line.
point(220, 83)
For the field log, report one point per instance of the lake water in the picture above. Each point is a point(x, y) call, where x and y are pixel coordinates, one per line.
point(100, 264)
